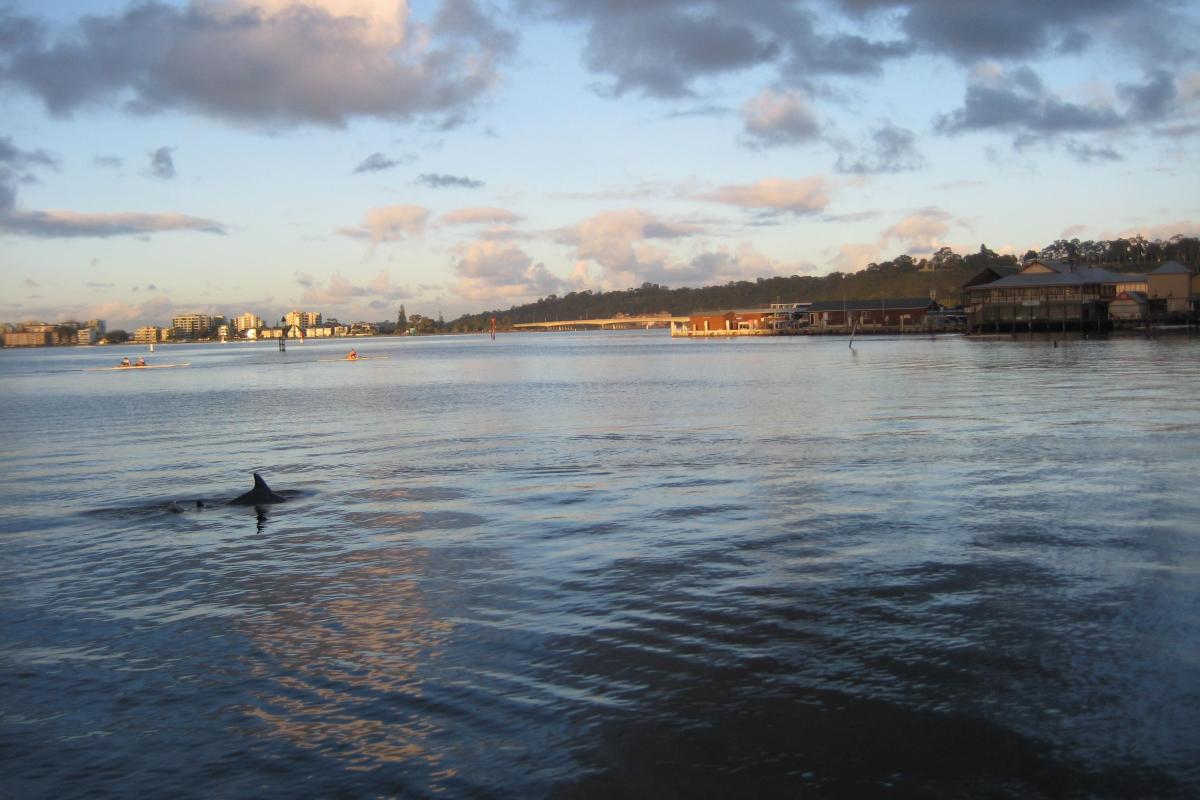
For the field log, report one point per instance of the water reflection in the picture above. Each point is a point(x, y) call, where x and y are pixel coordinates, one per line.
point(343, 650)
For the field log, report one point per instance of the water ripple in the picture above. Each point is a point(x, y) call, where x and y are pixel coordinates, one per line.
point(606, 565)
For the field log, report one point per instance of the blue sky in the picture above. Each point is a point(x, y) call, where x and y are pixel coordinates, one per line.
point(348, 156)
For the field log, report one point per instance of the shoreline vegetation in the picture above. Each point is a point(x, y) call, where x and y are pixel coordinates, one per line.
point(941, 277)
point(1138, 331)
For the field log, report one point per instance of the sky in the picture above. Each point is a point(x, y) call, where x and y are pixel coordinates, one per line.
point(456, 156)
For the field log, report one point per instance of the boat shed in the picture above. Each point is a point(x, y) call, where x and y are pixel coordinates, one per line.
point(1170, 289)
point(721, 322)
point(893, 311)
point(1129, 307)
point(1047, 295)
point(987, 275)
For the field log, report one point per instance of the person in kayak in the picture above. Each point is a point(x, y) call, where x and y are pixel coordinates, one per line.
point(352, 356)
point(125, 362)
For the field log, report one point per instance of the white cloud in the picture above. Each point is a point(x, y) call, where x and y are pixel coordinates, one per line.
point(119, 314)
point(339, 291)
point(267, 62)
point(478, 215)
point(348, 301)
point(805, 196)
point(923, 231)
point(56, 223)
point(381, 286)
point(611, 238)
point(919, 233)
point(721, 265)
point(16, 167)
point(383, 22)
point(1163, 231)
point(853, 257)
point(489, 271)
point(390, 224)
point(773, 118)
point(634, 246)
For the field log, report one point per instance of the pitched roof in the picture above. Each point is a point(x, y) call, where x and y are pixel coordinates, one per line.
point(1172, 268)
point(989, 274)
point(1080, 276)
point(891, 304)
point(1108, 276)
point(1057, 266)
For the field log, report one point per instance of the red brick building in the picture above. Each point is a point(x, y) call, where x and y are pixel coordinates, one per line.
point(713, 321)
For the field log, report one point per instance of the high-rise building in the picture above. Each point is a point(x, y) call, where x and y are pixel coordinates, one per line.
point(192, 326)
point(147, 334)
point(302, 319)
point(246, 322)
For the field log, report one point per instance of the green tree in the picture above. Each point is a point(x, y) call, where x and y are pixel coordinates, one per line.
point(421, 324)
point(945, 258)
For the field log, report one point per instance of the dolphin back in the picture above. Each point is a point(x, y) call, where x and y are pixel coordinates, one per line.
point(261, 494)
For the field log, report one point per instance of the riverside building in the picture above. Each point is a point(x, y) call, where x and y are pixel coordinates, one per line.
point(147, 334)
point(191, 326)
point(1050, 296)
point(246, 322)
point(302, 319)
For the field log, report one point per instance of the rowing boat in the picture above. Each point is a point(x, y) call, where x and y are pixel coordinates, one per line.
point(121, 368)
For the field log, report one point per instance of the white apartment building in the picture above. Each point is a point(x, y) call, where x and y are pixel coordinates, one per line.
point(147, 334)
point(246, 322)
point(302, 319)
point(192, 325)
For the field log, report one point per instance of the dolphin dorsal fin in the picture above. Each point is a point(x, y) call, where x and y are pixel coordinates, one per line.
point(261, 493)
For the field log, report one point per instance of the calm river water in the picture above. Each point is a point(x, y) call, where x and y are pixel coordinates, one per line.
point(601, 565)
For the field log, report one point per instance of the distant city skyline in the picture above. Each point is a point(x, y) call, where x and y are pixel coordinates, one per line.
point(350, 156)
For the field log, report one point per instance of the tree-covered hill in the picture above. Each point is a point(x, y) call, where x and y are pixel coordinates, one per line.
point(941, 276)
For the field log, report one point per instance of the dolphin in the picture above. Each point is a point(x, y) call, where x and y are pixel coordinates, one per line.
point(260, 495)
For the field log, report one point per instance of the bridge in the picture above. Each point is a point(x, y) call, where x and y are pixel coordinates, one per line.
point(610, 324)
